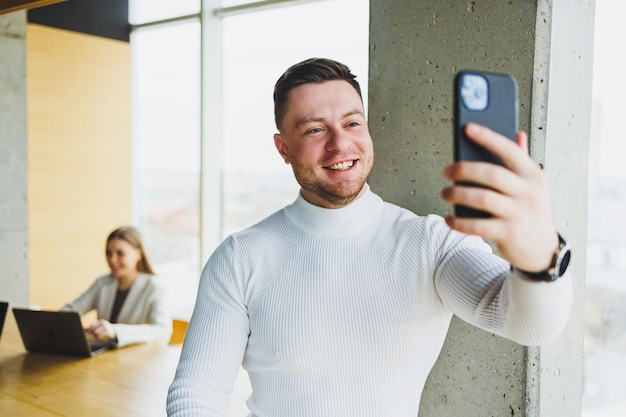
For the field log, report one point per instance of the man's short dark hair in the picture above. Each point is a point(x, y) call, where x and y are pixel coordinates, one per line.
point(312, 70)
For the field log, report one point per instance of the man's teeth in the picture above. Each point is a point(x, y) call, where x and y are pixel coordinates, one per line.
point(341, 165)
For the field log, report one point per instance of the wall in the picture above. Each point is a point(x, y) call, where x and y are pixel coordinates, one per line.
point(13, 160)
point(415, 50)
point(79, 157)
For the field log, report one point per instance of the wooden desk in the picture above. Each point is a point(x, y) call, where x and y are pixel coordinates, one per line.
point(130, 381)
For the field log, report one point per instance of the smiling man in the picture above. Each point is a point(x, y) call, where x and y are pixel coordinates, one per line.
point(339, 304)
point(324, 136)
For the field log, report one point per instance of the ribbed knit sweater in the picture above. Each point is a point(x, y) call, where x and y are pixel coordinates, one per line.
point(343, 312)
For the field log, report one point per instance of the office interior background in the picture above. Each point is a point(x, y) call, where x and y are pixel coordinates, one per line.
point(202, 163)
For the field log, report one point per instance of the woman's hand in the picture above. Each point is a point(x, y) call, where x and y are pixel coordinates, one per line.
point(102, 329)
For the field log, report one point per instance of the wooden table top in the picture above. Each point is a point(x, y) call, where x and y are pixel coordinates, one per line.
point(130, 381)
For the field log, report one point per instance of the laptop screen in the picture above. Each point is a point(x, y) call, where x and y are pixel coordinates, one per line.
point(56, 332)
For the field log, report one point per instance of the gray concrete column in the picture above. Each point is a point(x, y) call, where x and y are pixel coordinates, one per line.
point(416, 47)
point(13, 160)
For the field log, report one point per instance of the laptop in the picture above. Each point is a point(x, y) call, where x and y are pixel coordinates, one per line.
point(4, 306)
point(56, 332)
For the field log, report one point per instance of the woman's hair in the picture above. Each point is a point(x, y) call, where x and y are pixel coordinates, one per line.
point(133, 238)
point(312, 70)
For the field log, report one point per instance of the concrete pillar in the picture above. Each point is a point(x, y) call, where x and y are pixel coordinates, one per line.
point(416, 47)
point(13, 160)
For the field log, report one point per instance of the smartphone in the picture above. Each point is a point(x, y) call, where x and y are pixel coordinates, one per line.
point(488, 99)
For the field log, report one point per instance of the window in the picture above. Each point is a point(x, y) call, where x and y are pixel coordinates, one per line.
point(257, 48)
point(166, 149)
point(605, 319)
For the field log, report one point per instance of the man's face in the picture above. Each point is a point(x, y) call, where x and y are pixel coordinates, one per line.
point(326, 140)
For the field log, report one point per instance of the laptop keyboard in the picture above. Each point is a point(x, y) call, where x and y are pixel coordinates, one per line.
point(95, 344)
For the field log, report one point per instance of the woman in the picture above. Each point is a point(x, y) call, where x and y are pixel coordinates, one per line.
point(130, 302)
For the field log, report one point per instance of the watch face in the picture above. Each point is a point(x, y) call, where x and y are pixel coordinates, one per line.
point(564, 262)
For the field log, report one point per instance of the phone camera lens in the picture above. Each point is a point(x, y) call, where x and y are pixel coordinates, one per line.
point(474, 92)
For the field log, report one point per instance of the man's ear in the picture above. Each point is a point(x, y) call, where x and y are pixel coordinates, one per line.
point(281, 147)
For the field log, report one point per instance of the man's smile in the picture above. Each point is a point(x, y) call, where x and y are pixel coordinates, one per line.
point(341, 166)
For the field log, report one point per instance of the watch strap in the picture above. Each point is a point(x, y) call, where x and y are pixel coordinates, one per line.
point(558, 266)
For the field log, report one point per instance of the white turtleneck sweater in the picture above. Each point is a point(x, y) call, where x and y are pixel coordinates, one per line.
point(343, 312)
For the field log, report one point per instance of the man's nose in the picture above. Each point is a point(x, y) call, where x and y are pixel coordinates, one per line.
point(338, 140)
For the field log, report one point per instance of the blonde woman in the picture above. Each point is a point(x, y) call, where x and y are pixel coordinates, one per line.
point(130, 301)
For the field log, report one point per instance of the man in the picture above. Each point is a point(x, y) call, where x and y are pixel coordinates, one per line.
point(338, 304)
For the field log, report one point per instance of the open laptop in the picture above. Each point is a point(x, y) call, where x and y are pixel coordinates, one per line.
point(56, 332)
point(4, 306)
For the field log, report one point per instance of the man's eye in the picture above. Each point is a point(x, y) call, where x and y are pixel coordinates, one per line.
point(315, 130)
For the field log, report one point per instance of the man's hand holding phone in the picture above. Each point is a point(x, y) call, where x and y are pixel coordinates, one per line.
point(516, 195)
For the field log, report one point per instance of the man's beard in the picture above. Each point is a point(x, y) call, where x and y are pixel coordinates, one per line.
point(330, 195)
point(335, 195)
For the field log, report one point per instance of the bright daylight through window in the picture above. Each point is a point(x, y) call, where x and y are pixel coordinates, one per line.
point(604, 392)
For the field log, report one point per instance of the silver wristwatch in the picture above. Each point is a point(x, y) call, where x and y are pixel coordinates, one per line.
point(560, 262)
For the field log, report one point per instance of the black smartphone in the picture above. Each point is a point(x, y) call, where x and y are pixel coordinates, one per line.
point(488, 99)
